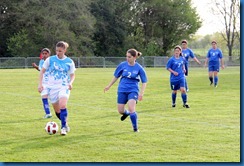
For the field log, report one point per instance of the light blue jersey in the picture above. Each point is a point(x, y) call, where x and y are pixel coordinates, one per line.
point(45, 75)
point(187, 53)
point(130, 77)
point(59, 70)
point(214, 55)
point(176, 64)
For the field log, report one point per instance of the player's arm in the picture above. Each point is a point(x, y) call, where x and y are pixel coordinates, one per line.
point(206, 60)
point(40, 87)
point(35, 66)
point(72, 78)
point(143, 87)
point(222, 63)
point(110, 84)
point(172, 71)
point(195, 59)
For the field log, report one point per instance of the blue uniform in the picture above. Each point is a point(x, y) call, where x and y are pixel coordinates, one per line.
point(176, 64)
point(187, 53)
point(214, 55)
point(129, 83)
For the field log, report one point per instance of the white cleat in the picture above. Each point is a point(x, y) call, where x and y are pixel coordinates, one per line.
point(63, 131)
point(47, 116)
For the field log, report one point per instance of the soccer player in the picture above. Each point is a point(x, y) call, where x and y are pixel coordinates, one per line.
point(61, 75)
point(187, 53)
point(44, 94)
point(176, 67)
point(131, 74)
point(214, 55)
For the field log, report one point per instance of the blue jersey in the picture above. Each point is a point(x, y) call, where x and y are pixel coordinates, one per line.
point(130, 77)
point(213, 56)
point(176, 64)
point(59, 70)
point(41, 62)
point(187, 53)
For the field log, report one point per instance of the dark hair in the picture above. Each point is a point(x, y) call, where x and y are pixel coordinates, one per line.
point(134, 52)
point(62, 44)
point(46, 49)
point(184, 41)
point(214, 42)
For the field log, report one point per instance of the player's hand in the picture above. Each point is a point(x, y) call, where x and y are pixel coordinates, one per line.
point(140, 97)
point(175, 73)
point(40, 88)
point(223, 67)
point(70, 86)
point(34, 65)
point(106, 89)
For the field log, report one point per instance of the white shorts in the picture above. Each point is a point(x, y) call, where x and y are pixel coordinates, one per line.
point(56, 93)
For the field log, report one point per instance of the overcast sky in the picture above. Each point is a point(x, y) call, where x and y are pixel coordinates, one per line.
point(210, 22)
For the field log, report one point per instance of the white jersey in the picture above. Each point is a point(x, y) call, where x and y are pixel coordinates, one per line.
point(59, 71)
point(45, 75)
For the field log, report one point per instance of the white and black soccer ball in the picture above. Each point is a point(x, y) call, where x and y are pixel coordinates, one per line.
point(51, 128)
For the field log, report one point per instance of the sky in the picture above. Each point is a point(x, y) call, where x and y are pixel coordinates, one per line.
point(210, 22)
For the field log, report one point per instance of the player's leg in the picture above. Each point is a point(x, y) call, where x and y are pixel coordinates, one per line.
point(210, 74)
point(216, 79)
point(174, 87)
point(186, 74)
point(56, 109)
point(122, 100)
point(183, 93)
point(132, 99)
point(45, 103)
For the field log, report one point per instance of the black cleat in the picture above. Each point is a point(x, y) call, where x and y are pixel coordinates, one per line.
point(186, 106)
point(136, 130)
point(211, 83)
point(124, 116)
point(173, 105)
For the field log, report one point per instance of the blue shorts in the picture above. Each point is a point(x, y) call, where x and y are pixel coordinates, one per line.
point(124, 97)
point(176, 85)
point(213, 68)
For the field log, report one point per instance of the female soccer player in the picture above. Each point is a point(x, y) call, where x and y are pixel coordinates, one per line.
point(187, 53)
point(128, 90)
point(213, 57)
point(61, 75)
point(176, 67)
point(44, 94)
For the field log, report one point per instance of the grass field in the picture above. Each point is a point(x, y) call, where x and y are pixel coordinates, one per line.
point(207, 132)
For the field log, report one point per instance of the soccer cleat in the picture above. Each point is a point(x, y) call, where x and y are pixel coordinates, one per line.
point(67, 128)
point(215, 86)
point(187, 90)
point(63, 131)
point(173, 105)
point(136, 130)
point(186, 106)
point(124, 116)
point(211, 83)
point(47, 116)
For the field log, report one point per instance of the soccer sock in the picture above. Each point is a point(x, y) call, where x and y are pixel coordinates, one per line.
point(58, 115)
point(63, 116)
point(184, 97)
point(211, 79)
point(186, 86)
point(216, 80)
point(173, 98)
point(133, 118)
point(46, 105)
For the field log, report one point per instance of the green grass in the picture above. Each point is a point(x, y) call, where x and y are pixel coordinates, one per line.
point(207, 132)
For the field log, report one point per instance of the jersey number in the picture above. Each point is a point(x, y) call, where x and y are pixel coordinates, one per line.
point(129, 74)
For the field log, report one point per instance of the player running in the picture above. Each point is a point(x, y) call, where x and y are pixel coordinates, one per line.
point(61, 75)
point(131, 73)
point(176, 67)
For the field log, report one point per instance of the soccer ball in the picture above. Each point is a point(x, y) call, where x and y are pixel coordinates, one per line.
point(51, 128)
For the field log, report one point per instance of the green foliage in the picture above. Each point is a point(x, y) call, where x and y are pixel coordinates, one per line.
point(209, 131)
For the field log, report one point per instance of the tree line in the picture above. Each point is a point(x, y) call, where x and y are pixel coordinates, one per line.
point(95, 27)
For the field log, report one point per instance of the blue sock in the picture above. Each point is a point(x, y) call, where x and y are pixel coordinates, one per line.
point(186, 86)
point(46, 105)
point(184, 97)
point(133, 118)
point(63, 116)
point(216, 80)
point(173, 97)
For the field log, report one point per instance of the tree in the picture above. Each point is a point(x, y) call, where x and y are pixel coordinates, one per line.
point(165, 22)
point(229, 12)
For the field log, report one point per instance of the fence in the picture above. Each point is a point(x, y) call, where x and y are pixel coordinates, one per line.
point(105, 62)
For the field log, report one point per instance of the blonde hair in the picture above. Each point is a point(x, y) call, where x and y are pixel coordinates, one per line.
point(134, 52)
point(62, 44)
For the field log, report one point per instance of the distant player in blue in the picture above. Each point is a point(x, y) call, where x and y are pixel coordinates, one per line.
point(176, 67)
point(45, 54)
point(131, 74)
point(214, 56)
point(187, 53)
point(60, 75)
